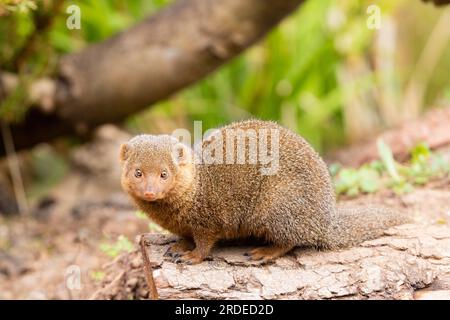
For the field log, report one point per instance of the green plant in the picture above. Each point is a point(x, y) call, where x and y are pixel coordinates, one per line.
point(152, 227)
point(121, 245)
point(97, 275)
point(8, 6)
point(141, 215)
point(352, 182)
point(423, 166)
point(397, 183)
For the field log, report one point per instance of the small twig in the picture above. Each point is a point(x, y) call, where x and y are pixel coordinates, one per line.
point(153, 292)
point(14, 168)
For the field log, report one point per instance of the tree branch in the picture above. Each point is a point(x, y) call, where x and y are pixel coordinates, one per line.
point(109, 81)
point(438, 2)
point(179, 45)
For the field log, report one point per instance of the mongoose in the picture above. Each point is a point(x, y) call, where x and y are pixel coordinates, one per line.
point(206, 202)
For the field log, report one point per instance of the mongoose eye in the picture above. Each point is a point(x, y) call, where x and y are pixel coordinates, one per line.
point(164, 175)
point(138, 173)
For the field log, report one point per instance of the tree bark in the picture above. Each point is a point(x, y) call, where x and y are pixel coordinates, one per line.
point(408, 258)
point(108, 81)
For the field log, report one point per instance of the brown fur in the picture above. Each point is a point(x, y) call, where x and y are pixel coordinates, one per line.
point(206, 203)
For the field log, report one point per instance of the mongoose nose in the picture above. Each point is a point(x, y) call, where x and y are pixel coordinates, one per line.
point(149, 194)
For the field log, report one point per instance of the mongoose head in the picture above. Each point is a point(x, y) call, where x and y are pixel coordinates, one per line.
point(154, 167)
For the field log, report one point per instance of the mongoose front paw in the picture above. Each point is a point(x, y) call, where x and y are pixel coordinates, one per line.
point(178, 249)
point(189, 258)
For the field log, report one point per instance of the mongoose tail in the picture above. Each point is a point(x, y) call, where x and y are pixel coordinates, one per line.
point(207, 202)
point(354, 225)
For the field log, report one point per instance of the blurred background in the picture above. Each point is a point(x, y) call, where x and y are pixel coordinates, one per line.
point(322, 72)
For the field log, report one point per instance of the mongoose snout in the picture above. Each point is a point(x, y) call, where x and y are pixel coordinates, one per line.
point(293, 205)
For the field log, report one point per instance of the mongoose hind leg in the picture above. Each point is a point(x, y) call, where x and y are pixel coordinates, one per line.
point(179, 248)
point(269, 253)
point(203, 245)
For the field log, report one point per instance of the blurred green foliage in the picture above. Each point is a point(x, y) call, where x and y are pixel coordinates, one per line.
point(422, 167)
point(8, 6)
point(152, 227)
point(292, 76)
point(97, 275)
point(121, 245)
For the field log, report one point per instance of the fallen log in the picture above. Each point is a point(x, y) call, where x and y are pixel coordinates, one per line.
point(407, 258)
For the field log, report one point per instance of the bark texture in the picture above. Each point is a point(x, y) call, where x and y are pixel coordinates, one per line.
point(438, 2)
point(407, 258)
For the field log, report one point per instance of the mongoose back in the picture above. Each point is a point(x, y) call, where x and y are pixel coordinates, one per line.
point(207, 202)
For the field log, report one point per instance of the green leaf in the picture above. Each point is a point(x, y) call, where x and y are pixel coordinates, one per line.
point(377, 165)
point(402, 187)
point(385, 153)
point(353, 191)
point(334, 169)
point(140, 214)
point(346, 179)
point(97, 275)
point(420, 153)
point(121, 245)
point(369, 180)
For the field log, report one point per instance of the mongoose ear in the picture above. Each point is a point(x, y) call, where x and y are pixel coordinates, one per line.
point(124, 152)
point(182, 154)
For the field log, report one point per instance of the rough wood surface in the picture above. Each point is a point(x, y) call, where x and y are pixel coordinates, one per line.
point(408, 258)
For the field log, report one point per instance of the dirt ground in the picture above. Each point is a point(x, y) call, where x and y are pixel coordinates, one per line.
point(56, 252)
point(43, 250)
